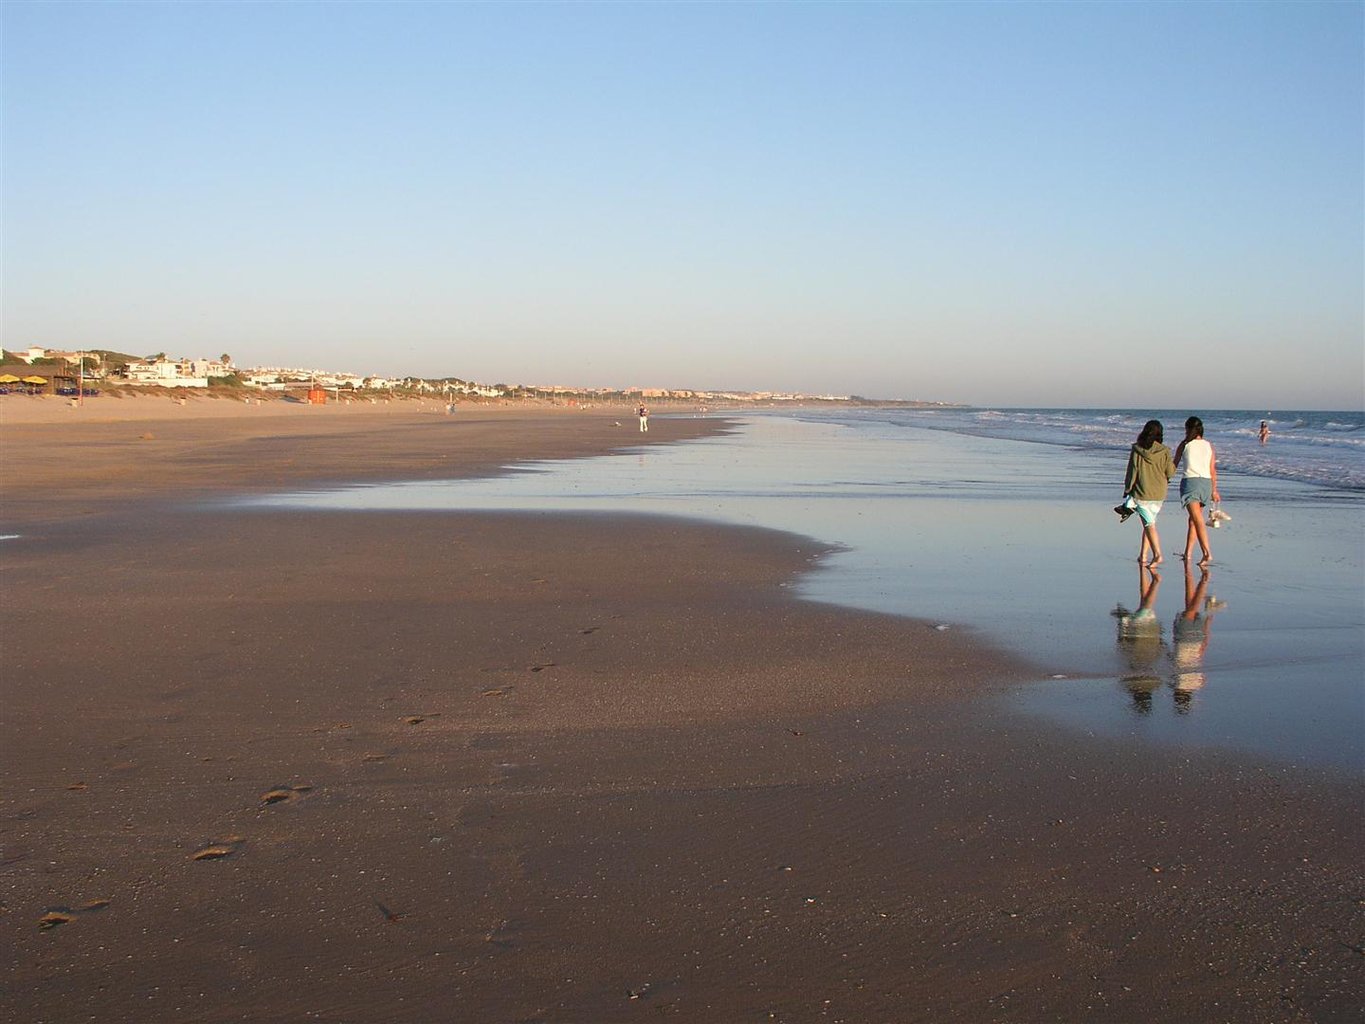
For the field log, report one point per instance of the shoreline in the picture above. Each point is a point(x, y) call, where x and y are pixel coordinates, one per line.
point(509, 750)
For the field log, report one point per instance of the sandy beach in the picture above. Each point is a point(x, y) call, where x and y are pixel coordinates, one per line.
point(345, 766)
point(62, 461)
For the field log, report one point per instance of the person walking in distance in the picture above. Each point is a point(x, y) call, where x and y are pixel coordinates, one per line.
point(1198, 485)
point(644, 419)
point(1149, 472)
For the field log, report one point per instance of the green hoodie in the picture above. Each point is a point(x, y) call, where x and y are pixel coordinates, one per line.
point(1149, 472)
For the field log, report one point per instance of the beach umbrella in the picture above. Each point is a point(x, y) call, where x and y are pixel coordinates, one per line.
point(35, 380)
point(8, 378)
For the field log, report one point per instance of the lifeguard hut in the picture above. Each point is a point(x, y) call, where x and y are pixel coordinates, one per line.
point(316, 395)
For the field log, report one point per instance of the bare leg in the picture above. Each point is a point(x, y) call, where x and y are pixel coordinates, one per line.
point(1151, 540)
point(1197, 532)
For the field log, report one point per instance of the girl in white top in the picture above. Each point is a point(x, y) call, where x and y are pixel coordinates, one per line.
point(1198, 486)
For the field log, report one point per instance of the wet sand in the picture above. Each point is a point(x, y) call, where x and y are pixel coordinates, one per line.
point(530, 767)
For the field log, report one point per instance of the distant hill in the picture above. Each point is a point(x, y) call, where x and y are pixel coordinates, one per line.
point(110, 358)
point(114, 358)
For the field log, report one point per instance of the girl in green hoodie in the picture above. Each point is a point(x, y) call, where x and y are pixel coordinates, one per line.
point(1150, 468)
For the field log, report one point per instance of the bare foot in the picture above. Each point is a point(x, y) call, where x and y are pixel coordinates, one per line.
point(1156, 561)
point(1206, 560)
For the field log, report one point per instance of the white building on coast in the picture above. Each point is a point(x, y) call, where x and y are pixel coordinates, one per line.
point(175, 373)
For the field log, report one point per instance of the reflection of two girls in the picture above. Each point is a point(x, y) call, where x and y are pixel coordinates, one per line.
point(1142, 646)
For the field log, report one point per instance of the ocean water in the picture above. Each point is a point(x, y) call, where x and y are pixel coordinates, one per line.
point(1000, 522)
point(1325, 448)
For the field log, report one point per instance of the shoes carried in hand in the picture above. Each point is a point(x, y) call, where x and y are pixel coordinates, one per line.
point(1124, 512)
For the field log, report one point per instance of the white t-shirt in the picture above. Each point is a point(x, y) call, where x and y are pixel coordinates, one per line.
point(1198, 456)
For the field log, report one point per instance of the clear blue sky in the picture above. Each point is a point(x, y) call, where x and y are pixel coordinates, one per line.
point(1076, 204)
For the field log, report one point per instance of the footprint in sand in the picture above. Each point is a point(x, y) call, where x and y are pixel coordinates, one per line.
point(283, 794)
point(389, 915)
point(543, 666)
point(55, 918)
point(58, 916)
point(219, 850)
point(504, 934)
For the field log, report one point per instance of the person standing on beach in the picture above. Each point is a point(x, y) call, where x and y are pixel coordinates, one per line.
point(644, 420)
point(1198, 485)
point(1145, 482)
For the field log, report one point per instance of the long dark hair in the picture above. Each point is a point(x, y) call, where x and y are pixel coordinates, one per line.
point(1194, 427)
point(1151, 433)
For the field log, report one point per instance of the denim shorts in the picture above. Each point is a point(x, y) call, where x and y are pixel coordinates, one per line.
point(1195, 488)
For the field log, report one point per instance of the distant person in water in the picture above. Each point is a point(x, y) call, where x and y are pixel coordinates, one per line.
point(644, 420)
point(1145, 482)
point(1265, 432)
point(1198, 485)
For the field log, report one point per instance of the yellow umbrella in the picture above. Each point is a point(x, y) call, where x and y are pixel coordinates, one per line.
point(8, 378)
point(35, 380)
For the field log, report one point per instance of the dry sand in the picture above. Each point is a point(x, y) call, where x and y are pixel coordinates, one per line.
point(60, 461)
point(544, 768)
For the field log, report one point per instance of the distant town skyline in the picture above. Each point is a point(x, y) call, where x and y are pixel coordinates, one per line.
point(1081, 205)
point(162, 371)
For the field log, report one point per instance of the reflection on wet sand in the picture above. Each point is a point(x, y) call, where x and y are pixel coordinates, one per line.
point(1140, 642)
point(1191, 634)
point(1142, 646)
